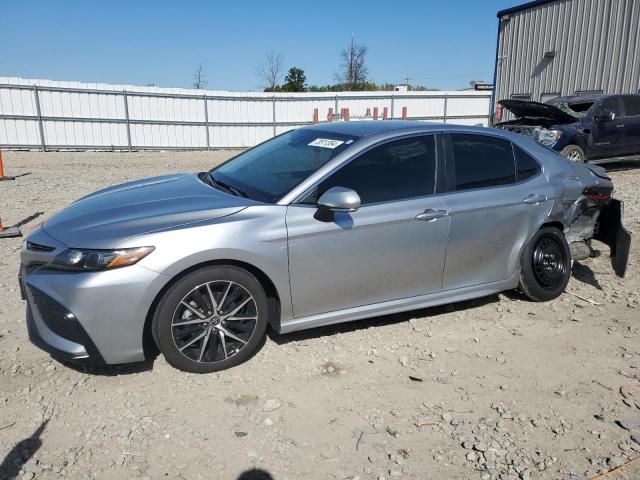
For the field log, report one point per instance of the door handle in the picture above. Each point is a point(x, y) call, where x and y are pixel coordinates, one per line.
point(619, 126)
point(430, 214)
point(535, 199)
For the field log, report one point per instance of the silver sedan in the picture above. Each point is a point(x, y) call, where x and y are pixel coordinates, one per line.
point(320, 225)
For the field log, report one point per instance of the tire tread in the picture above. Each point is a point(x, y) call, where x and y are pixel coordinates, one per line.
point(164, 313)
point(527, 285)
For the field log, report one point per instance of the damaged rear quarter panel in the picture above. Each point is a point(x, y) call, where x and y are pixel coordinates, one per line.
point(568, 207)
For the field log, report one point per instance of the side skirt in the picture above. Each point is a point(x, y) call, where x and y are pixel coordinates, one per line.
point(395, 306)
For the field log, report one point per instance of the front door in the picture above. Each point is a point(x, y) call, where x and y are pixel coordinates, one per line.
point(380, 252)
point(605, 134)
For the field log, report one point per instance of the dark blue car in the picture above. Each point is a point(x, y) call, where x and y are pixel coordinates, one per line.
point(582, 128)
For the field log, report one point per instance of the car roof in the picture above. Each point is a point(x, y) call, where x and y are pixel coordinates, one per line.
point(395, 127)
point(582, 98)
point(592, 97)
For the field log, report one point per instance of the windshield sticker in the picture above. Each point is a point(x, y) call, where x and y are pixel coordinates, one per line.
point(326, 143)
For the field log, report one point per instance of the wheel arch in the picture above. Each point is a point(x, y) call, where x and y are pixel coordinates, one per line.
point(148, 343)
point(548, 223)
point(553, 223)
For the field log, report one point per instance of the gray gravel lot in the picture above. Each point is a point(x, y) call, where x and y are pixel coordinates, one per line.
point(496, 388)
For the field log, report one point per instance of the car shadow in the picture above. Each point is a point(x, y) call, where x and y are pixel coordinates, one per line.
point(255, 474)
point(382, 320)
point(584, 274)
point(110, 370)
point(21, 453)
point(621, 165)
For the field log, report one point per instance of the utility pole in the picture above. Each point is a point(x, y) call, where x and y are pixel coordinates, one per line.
point(351, 61)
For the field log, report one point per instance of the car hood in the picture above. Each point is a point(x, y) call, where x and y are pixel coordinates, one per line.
point(523, 108)
point(107, 217)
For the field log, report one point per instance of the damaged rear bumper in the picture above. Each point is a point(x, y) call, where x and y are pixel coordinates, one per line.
point(611, 232)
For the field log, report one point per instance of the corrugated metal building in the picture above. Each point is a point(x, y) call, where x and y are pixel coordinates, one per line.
point(550, 48)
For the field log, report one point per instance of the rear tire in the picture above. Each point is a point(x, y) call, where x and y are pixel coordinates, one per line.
point(545, 265)
point(573, 153)
point(211, 319)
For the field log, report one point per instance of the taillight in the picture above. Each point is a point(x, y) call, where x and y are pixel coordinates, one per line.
point(498, 114)
point(599, 194)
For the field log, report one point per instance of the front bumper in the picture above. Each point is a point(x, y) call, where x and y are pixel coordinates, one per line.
point(87, 317)
point(52, 329)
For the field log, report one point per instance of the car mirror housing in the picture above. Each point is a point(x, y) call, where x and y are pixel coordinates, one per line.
point(340, 199)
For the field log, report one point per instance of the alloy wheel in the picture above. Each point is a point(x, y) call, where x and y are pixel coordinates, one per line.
point(214, 321)
point(574, 156)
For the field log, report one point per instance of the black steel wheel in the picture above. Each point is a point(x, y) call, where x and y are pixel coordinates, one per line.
point(211, 319)
point(545, 265)
point(549, 262)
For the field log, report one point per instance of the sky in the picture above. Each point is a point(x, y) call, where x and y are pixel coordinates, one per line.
point(438, 44)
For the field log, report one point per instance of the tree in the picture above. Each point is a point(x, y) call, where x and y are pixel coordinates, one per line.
point(269, 71)
point(354, 69)
point(295, 81)
point(199, 78)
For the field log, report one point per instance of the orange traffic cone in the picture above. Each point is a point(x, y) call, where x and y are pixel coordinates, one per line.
point(9, 232)
point(2, 175)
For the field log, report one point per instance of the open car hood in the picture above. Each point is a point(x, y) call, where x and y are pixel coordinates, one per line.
point(526, 109)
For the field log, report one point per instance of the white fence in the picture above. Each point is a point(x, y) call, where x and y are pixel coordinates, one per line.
point(49, 115)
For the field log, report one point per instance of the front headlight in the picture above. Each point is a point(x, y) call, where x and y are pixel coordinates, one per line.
point(548, 137)
point(78, 259)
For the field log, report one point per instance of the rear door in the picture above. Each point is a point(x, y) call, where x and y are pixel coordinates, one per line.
point(495, 205)
point(630, 125)
point(391, 248)
point(606, 134)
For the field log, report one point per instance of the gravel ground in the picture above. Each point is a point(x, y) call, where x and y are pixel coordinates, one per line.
point(496, 388)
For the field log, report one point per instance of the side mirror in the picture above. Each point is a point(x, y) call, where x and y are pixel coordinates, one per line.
point(340, 199)
point(605, 116)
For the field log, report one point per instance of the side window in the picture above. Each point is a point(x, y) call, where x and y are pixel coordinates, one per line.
point(482, 161)
point(397, 170)
point(526, 165)
point(611, 104)
point(631, 105)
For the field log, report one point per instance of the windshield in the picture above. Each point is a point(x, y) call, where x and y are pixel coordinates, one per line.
point(272, 169)
point(575, 108)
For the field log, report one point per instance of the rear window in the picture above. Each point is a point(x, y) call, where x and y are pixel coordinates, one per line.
point(482, 161)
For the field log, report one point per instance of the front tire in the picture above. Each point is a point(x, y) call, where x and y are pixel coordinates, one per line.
point(573, 153)
point(211, 319)
point(545, 265)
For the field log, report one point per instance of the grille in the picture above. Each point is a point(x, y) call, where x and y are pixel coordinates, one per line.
point(522, 130)
point(32, 267)
point(55, 316)
point(36, 247)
